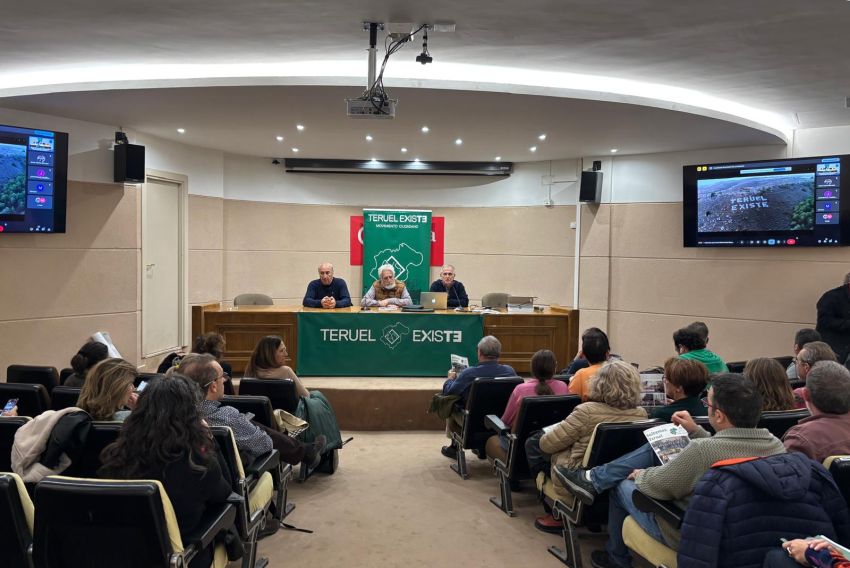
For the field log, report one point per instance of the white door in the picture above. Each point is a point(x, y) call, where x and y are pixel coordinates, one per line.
point(161, 266)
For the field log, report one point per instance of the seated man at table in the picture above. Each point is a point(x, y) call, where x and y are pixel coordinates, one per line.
point(457, 293)
point(387, 291)
point(489, 350)
point(326, 291)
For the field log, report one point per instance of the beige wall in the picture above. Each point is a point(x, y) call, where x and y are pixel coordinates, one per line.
point(59, 289)
point(753, 300)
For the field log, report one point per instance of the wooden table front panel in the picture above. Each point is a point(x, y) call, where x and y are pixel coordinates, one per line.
point(522, 335)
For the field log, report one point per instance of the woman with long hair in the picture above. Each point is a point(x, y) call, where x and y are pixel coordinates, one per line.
point(165, 439)
point(772, 382)
point(268, 361)
point(89, 355)
point(109, 390)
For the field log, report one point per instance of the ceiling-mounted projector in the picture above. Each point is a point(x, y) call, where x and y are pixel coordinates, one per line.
point(366, 108)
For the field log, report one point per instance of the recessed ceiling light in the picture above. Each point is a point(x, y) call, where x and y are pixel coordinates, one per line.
point(374, 160)
point(542, 137)
point(416, 160)
point(368, 138)
point(181, 130)
point(404, 150)
point(458, 142)
point(425, 129)
point(295, 150)
point(498, 158)
point(614, 150)
point(279, 138)
point(533, 149)
point(300, 127)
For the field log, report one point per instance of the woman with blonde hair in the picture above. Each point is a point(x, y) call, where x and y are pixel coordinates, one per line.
point(268, 361)
point(109, 389)
point(772, 382)
point(614, 396)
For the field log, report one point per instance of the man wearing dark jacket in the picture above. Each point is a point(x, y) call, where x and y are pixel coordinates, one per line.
point(834, 319)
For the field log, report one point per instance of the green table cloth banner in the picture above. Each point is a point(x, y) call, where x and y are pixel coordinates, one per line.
point(380, 344)
point(401, 239)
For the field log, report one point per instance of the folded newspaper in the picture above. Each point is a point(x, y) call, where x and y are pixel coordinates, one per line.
point(838, 548)
point(652, 390)
point(459, 363)
point(668, 441)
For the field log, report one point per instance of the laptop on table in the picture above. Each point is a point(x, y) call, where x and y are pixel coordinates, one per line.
point(434, 300)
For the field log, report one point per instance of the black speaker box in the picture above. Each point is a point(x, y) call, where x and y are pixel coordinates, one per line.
point(591, 187)
point(129, 163)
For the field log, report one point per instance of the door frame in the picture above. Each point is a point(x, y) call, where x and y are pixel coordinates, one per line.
point(182, 182)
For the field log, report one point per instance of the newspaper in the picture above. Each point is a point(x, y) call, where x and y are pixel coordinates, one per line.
point(103, 337)
point(459, 363)
point(668, 441)
point(652, 390)
point(838, 548)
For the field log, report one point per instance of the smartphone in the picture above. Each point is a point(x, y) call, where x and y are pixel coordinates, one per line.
point(13, 402)
point(141, 386)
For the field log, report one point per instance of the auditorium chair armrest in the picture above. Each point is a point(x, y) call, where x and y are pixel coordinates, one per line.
point(261, 464)
point(216, 519)
point(667, 510)
point(494, 423)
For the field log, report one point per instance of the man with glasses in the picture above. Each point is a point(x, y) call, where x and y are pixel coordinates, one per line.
point(251, 438)
point(734, 408)
point(457, 293)
point(326, 291)
point(811, 353)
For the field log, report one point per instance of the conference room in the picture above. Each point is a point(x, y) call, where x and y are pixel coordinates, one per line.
point(554, 152)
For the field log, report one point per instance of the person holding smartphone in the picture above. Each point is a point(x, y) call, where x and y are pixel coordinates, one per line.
point(11, 408)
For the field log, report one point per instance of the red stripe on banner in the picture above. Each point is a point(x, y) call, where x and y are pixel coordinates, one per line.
point(355, 240)
point(438, 229)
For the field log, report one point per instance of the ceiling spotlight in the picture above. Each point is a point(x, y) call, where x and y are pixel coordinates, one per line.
point(374, 160)
point(416, 160)
point(424, 57)
point(404, 150)
point(498, 158)
point(295, 150)
point(425, 130)
point(368, 138)
point(181, 130)
point(614, 150)
point(458, 142)
point(279, 138)
point(542, 137)
point(300, 127)
point(533, 149)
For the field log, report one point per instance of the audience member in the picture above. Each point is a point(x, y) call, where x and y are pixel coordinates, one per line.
point(690, 343)
point(251, 438)
point(386, 291)
point(109, 391)
point(543, 365)
point(596, 349)
point(810, 354)
point(684, 383)
point(803, 336)
point(701, 329)
point(268, 361)
point(772, 382)
point(212, 343)
point(458, 384)
point(89, 355)
point(827, 431)
point(614, 397)
point(833, 323)
point(734, 408)
point(165, 439)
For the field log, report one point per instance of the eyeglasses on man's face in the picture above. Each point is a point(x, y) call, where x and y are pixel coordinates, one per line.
point(224, 376)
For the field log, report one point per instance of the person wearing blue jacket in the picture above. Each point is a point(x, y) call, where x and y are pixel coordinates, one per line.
point(326, 291)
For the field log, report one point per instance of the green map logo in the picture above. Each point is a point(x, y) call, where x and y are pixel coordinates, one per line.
point(392, 335)
point(401, 258)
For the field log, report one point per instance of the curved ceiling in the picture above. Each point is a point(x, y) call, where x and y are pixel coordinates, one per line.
point(727, 72)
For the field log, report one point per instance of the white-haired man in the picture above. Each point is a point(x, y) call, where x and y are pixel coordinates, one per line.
point(457, 297)
point(387, 291)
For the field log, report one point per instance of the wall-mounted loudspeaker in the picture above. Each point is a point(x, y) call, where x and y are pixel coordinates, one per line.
point(591, 187)
point(129, 163)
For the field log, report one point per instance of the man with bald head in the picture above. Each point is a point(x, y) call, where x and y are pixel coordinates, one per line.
point(457, 297)
point(326, 291)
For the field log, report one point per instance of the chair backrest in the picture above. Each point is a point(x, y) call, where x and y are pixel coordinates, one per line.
point(100, 435)
point(736, 366)
point(796, 383)
point(839, 468)
point(88, 522)
point(252, 300)
point(779, 421)
point(16, 518)
point(8, 428)
point(486, 396)
point(226, 443)
point(706, 425)
point(33, 374)
point(64, 374)
point(32, 399)
point(784, 360)
point(281, 392)
point(536, 412)
point(495, 300)
point(64, 397)
point(259, 406)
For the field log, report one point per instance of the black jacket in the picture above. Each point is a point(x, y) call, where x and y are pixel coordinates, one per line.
point(834, 320)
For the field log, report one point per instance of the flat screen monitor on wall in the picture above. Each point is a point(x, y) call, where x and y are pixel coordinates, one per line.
point(33, 180)
point(785, 203)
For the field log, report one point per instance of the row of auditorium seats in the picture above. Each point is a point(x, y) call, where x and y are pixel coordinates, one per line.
point(486, 402)
point(78, 499)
